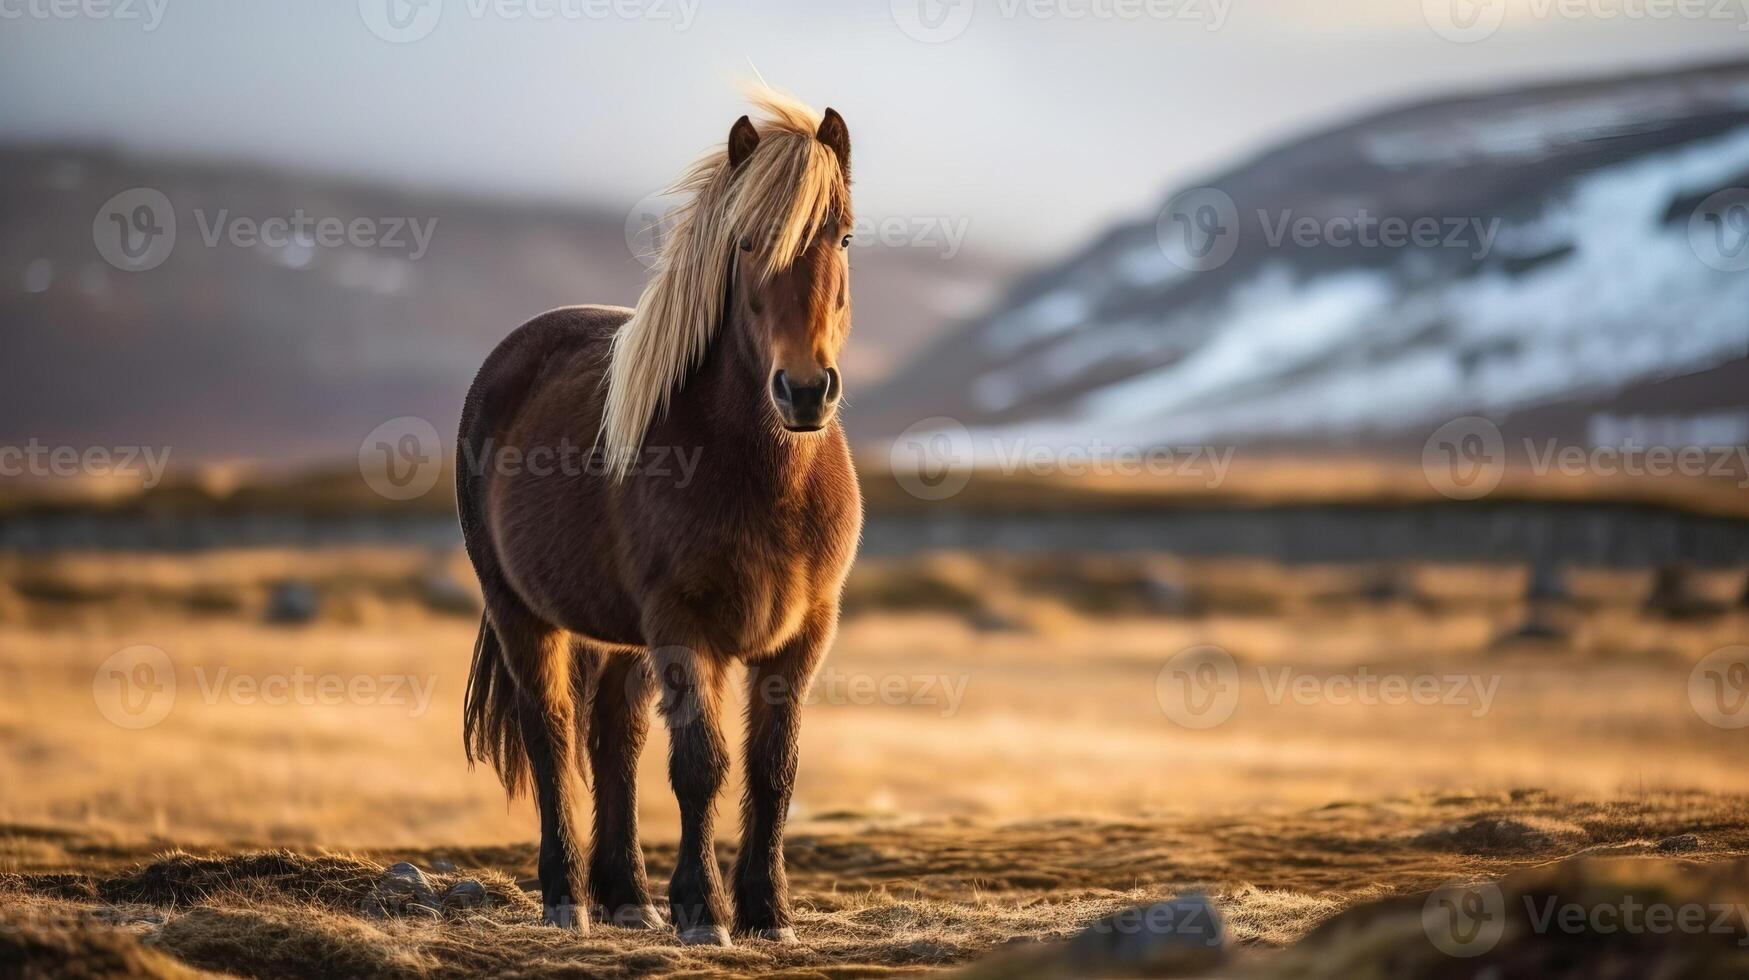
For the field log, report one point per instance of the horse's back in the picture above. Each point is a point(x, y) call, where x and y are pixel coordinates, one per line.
point(524, 456)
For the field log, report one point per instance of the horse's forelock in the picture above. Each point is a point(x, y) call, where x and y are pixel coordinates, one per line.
point(789, 187)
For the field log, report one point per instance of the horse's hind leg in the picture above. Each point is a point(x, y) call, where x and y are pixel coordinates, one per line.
point(539, 660)
point(619, 721)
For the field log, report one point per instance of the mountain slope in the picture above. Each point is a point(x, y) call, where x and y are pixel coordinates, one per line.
point(1563, 257)
point(284, 349)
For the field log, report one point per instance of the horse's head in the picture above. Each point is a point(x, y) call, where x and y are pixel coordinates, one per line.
point(791, 279)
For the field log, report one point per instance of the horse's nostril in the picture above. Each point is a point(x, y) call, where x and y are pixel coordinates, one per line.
point(780, 388)
point(834, 385)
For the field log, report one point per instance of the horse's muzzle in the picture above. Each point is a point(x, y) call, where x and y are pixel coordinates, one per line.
point(806, 407)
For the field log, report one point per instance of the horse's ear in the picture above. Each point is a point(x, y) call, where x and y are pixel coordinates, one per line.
point(743, 139)
point(836, 135)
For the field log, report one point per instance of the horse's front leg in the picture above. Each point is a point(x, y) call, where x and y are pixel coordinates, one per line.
point(776, 687)
point(689, 680)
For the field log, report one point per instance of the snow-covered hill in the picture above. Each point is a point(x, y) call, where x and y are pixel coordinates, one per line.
point(1505, 255)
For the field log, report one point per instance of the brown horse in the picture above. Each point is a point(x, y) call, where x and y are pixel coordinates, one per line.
point(615, 577)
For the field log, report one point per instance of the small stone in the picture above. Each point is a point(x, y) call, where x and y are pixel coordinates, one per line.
point(402, 890)
point(1680, 844)
point(466, 895)
point(1184, 933)
point(293, 603)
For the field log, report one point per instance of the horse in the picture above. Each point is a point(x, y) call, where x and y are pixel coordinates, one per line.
point(611, 581)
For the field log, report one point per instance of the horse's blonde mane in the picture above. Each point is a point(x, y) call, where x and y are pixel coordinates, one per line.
point(780, 195)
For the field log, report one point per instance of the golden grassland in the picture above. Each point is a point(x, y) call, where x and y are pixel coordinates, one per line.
point(991, 757)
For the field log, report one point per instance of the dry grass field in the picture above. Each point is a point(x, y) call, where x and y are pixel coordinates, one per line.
point(1000, 752)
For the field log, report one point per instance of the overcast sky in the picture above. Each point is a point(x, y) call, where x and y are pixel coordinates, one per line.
point(1034, 121)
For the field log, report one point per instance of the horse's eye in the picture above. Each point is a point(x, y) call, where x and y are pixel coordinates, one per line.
point(846, 242)
point(746, 244)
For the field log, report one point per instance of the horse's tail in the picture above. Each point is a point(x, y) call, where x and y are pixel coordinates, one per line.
point(491, 723)
point(495, 701)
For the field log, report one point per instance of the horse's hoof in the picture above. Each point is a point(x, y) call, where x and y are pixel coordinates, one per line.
point(634, 917)
point(705, 936)
point(782, 934)
point(564, 917)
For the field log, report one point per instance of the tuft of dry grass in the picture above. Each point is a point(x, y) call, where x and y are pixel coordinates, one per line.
point(987, 763)
point(879, 895)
